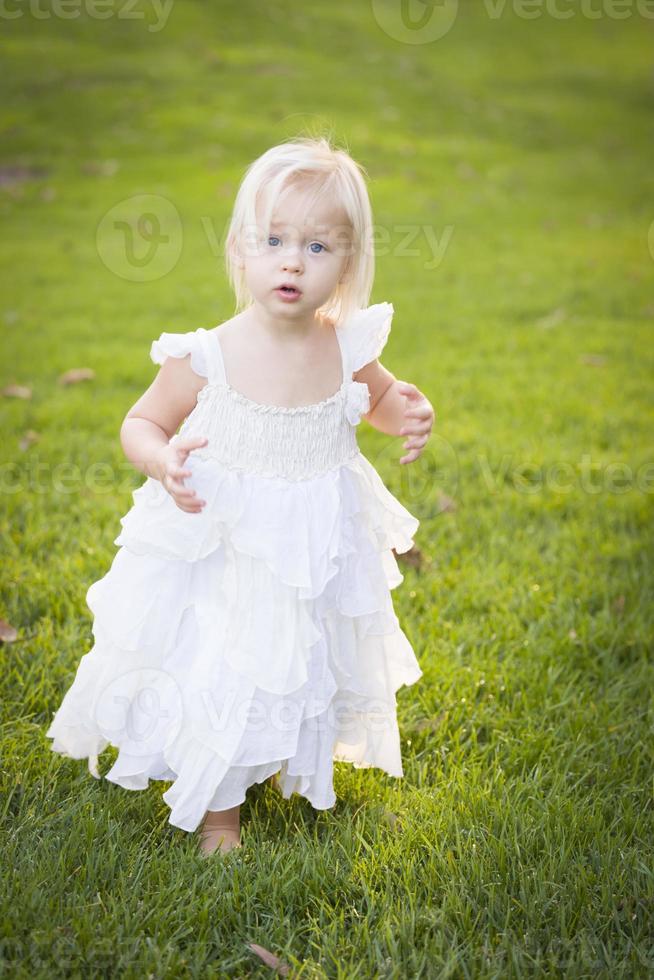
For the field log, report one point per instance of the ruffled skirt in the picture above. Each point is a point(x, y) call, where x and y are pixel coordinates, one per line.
point(253, 638)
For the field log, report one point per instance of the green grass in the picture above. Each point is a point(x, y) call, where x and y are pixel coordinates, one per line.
point(523, 840)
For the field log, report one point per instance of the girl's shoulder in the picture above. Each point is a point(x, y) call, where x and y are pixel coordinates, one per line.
point(364, 334)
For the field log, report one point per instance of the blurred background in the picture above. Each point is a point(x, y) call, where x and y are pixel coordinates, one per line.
point(508, 145)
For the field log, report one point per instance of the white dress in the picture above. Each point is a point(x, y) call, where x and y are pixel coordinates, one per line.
point(259, 635)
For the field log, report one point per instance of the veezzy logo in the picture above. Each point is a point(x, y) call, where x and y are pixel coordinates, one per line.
point(155, 15)
point(140, 238)
point(423, 21)
point(415, 21)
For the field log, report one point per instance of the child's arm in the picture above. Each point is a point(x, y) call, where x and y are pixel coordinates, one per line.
point(153, 420)
point(397, 408)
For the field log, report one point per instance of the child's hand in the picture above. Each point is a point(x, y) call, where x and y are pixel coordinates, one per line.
point(170, 461)
point(418, 407)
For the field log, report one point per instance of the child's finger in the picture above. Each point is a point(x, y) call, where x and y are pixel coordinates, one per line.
point(416, 443)
point(406, 387)
point(191, 509)
point(415, 449)
point(186, 495)
point(191, 442)
point(179, 490)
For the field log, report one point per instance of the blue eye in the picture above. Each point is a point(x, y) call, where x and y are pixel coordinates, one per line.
point(272, 239)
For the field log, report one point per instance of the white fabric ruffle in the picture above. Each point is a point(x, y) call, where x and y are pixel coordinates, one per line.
point(257, 636)
point(366, 333)
point(179, 345)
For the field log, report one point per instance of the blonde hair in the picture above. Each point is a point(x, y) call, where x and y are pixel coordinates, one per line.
point(326, 170)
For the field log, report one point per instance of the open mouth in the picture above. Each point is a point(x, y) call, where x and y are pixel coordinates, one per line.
point(288, 290)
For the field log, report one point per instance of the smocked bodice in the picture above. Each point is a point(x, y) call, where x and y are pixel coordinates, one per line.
point(293, 443)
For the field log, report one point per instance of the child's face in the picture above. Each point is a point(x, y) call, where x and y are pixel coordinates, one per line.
point(308, 246)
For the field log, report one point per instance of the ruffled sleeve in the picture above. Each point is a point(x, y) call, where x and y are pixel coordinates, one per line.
point(179, 345)
point(365, 334)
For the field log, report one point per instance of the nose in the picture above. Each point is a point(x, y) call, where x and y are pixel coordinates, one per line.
point(291, 259)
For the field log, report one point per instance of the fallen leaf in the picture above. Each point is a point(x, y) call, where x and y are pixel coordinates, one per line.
point(28, 438)
point(269, 958)
point(429, 724)
point(103, 168)
point(7, 632)
point(17, 391)
point(10, 175)
point(412, 557)
point(76, 374)
point(465, 171)
point(552, 319)
point(446, 504)
point(618, 605)
point(595, 359)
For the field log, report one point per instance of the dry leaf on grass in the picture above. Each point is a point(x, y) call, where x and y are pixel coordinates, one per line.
point(269, 958)
point(10, 175)
point(595, 359)
point(618, 605)
point(76, 374)
point(28, 438)
point(17, 391)
point(553, 318)
point(412, 557)
point(446, 504)
point(430, 724)
point(101, 168)
point(7, 632)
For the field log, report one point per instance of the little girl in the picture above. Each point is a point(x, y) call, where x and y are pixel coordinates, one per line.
point(246, 625)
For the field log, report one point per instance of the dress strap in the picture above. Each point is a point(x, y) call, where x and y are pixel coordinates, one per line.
point(213, 356)
point(345, 361)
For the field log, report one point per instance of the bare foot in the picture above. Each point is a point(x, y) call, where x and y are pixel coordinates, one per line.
point(220, 830)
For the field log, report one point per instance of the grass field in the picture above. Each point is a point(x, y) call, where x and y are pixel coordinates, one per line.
point(520, 841)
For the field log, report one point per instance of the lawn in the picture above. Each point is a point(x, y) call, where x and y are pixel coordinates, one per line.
point(511, 179)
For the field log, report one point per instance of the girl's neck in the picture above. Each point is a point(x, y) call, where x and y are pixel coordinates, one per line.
point(282, 328)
